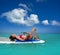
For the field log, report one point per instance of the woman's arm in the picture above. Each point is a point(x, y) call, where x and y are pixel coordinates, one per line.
point(36, 38)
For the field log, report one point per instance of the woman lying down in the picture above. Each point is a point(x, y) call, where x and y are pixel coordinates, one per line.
point(23, 37)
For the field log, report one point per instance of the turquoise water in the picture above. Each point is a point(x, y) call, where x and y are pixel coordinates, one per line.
point(51, 47)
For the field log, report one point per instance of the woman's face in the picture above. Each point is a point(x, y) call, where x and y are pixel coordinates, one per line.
point(13, 35)
point(33, 29)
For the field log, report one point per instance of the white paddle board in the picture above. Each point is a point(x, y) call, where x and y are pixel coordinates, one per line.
point(4, 40)
point(13, 42)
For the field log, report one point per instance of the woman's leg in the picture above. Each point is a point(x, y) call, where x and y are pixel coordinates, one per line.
point(13, 37)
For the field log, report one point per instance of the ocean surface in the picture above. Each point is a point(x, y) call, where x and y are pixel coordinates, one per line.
point(50, 47)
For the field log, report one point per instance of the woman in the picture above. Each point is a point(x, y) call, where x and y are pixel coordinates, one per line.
point(34, 34)
point(21, 37)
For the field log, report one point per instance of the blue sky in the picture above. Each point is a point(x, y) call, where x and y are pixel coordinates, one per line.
point(22, 15)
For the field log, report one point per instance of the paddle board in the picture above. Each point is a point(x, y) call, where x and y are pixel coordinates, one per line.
point(22, 42)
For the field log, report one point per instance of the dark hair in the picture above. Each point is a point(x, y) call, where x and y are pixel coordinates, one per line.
point(12, 38)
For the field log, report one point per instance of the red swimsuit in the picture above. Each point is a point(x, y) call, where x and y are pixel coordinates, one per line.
point(26, 38)
point(21, 37)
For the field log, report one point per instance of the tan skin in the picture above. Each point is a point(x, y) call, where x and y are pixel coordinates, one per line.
point(30, 36)
point(34, 30)
point(23, 37)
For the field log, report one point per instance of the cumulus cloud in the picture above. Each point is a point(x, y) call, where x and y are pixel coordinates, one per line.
point(33, 19)
point(24, 6)
point(54, 22)
point(45, 22)
point(18, 16)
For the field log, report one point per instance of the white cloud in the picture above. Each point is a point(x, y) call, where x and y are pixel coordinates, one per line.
point(33, 19)
point(54, 22)
point(45, 22)
point(18, 16)
point(24, 6)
